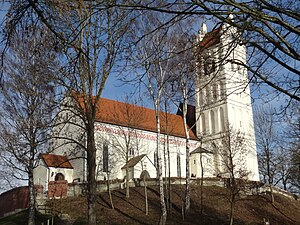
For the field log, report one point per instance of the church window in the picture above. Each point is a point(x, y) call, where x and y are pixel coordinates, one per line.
point(209, 67)
point(203, 123)
point(215, 92)
point(105, 157)
point(222, 89)
point(222, 122)
point(212, 120)
point(178, 165)
point(59, 176)
point(207, 94)
point(131, 151)
point(216, 159)
point(201, 99)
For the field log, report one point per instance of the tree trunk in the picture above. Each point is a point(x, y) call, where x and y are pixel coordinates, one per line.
point(187, 155)
point(169, 175)
point(163, 217)
point(127, 176)
point(31, 216)
point(231, 211)
point(166, 177)
point(109, 191)
point(233, 195)
point(146, 195)
point(91, 169)
point(32, 198)
point(272, 194)
point(201, 185)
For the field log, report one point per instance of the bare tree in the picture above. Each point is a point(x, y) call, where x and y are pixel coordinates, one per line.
point(151, 56)
point(27, 110)
point(126, 142)
point(183, 72)
point(232, 152)
point(270, 29)
point(293, 135)
point(92, 35)
point(267, 137)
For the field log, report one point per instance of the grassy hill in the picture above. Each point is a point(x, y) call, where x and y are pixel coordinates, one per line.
point(249, 210)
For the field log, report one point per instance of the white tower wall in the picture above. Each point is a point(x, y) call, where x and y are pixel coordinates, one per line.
point(223, 99)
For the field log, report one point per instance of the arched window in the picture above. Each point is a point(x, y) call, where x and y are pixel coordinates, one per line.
point(215, 92)
point(212, 122)
point(203, 126)
point(201, 98)
point(105, 157)
point(222, 90)
point(222, 120)
point(207, 94)
point(217, 124)
point(59, 176)
point(209, 67)
point(216, 159)
point(178, 165)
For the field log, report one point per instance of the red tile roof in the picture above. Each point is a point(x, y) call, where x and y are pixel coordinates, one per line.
point(123, 114)
point(58, 161)
point(211, 38)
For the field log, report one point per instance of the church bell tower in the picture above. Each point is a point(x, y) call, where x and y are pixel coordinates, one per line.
point(223, 100)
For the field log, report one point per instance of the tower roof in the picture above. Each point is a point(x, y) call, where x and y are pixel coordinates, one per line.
point(211, 38)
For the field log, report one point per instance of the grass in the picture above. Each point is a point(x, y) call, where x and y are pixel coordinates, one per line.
point(21, 218)
point(249, 210)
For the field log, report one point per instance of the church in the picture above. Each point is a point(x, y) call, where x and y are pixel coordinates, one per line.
point(126, 135)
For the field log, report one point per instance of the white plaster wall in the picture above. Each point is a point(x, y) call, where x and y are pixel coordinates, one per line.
point(146, 145)
point(40, 175)
point(141, 166)
point(207, 162)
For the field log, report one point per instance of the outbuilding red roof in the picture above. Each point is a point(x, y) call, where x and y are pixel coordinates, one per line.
point(58, 161)
point(138, 117)
point(133, 161)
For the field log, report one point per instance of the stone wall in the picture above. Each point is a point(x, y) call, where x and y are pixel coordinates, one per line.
point(57, 189)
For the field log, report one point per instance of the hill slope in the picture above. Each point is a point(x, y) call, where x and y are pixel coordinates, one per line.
point(248, 210)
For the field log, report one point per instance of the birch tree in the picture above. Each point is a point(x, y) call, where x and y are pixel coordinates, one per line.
point(267, 142)
point(233, 152)
point(27, 104)
point(183, 72)
point(152, 57)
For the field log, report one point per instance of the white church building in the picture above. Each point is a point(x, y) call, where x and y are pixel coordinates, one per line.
point(222, 104)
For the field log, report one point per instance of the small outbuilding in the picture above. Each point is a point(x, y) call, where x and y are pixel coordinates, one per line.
point(51, 168)
point(139, 166)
